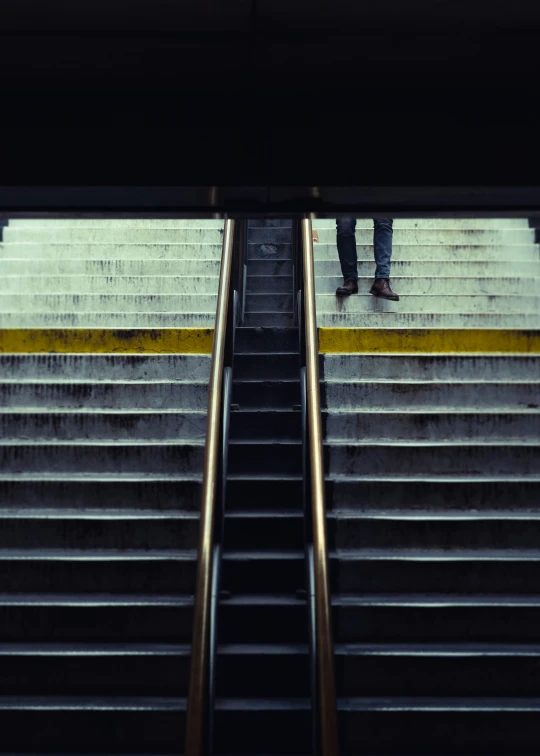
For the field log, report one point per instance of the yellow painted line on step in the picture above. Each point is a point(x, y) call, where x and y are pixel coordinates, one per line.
point(107, 340)
point(427, 340)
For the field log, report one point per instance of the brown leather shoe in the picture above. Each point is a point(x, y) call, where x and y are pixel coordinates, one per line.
point(350, 286)
point(381, 288)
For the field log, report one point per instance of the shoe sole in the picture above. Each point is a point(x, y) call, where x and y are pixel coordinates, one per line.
point(345, 293)
point(381, 296)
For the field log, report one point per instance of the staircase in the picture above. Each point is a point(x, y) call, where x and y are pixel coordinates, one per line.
point(433, 471)
point(101, 464)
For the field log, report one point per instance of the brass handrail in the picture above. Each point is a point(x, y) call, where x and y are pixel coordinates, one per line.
point(323, 608)
point(201, 620)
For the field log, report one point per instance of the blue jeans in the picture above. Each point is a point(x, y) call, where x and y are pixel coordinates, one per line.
point(382, 246)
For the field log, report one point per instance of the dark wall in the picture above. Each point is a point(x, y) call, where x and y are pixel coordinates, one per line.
point(331, 93)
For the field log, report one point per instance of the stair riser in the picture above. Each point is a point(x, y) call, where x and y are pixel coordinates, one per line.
point(107, 731)
point(265, 458)
point(430, 427)
point(454, 576)
point(433, 460)
point(270, 267)
point(20, 533)
point(428, 320)
point(264, 533)
point(438, 623)
point(266, 340)
point(281, 426)
point(400, 396)
point(328, 304)
point(414, 290)
point(138, 288)
point(121, 223)
point(46, 235)
point(278, 249)
point(427, 223)
point(269, 284)
point(345, 533)
point(67, 258)
point(434, 497)
point(108, 320)
point(194, 270)
point(116, 303)
point(97, 396)
point(269, 303)
point(266, 367)
point(109, 367)
point(431, 236)
point(270, 236)
point(409, 367)
point(96, 495)
point(438, 266)
point(95, 427)
point(426, 675)
point(69, 576)
point(501, 733)
point(110, 675)
point(269, 319)
point(461, 253)
point(266, 395)
point(109, 459)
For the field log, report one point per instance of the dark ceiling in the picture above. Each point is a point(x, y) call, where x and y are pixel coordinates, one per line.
point(270, 92)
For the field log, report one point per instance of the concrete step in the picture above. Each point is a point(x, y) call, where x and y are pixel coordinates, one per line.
point(467, 224)
point(99, 571)
point(429, 367)
point(104, 724)
point(107, 669)
point(119, 235)
point(194, 272)
point(62, 394)
point(419, 426)
point(483, 254)
point(437, 267)
point(453, 493)
point(115, 223)
point(140, 286)
point(111, 458)
point(402, 459)
point(421, 531)
point(408, 286)
point(433, 236)
point(103, 426)
point(111, 259)
point(108, 320)
point(429, 303)
point(108, 303)
point(434, 319)
point(451, 396)
point(139, 495)
point(435, 618)
point(449, 571)
point(383, 669)
point(52, 530)
point(172, 368)
point(418, 726)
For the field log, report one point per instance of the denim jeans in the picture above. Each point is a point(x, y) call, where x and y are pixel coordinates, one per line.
point(382, 247)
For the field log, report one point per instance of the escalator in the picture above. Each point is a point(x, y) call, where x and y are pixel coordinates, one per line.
point(265, 609)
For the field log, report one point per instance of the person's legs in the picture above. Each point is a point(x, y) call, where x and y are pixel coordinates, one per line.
point(382, 248)
point(346, 244)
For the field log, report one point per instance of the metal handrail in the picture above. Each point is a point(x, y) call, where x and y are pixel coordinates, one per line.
point(200, 649)
point(324, 646)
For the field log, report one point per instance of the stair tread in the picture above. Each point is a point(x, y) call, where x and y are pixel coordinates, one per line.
point(480, 703)
point(436, 600)
point(93, 599)
point(93, 703)
point(94, 649)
